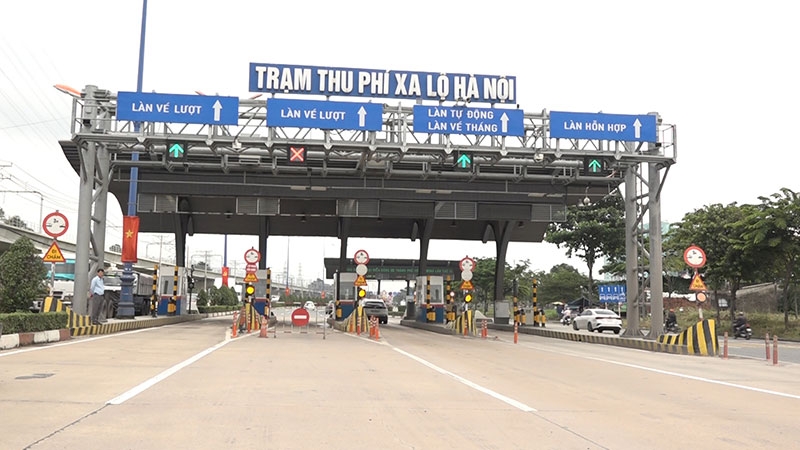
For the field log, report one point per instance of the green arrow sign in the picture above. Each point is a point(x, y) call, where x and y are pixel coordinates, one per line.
point(464, 161)
point(176, 150)
point(595, 166)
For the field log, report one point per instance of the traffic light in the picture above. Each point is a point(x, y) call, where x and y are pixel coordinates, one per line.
point(249, 290)
point(190, 283)
point(595, 166)
point(468, 297)
point(362, 293)
point(176, 151)
point(464, 161)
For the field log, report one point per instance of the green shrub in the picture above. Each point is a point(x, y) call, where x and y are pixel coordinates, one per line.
point(217, 308)
point(25, 322)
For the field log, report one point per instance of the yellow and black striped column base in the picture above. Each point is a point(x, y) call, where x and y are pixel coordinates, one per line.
point(51, 304)
point(699, 339)
point(467, 318)
point(81, 325)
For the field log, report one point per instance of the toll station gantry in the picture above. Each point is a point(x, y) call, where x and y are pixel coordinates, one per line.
point(441, 168)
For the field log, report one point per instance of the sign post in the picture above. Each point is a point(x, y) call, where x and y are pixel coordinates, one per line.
point(54, 225)
point(695, 257)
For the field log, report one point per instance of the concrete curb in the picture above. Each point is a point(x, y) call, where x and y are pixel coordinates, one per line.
point(9, 341)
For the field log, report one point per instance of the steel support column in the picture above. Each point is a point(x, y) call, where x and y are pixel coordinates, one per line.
point(656, 254)
point(424, 243)
point(263, 234)
point(502, 236)
point(631, 254)
point(344, 233)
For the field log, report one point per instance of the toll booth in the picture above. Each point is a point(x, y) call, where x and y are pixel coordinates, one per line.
point(169, 285)
point(345, 293)
point(260, 297)
point(436, 286)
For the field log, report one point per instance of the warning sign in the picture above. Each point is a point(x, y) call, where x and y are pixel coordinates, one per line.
point(360, 281)
point(54, 254)
point(466, 285)
point(250, 278)
point(697, 284)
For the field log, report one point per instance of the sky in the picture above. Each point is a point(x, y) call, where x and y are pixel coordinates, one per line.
point(725, 73)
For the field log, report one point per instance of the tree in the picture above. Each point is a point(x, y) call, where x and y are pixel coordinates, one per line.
point(21, 276)
point(771, 234)
point(483, 279)
point(202, 298)
point(592, 232)
point(562, 284)
point(716, 229)
point(16, 221)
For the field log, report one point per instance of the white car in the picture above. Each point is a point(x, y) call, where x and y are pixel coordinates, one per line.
point(309, 306)
point(598, 319)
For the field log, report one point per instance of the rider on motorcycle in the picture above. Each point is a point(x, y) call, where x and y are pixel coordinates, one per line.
point(739, 322)
point(671, 319)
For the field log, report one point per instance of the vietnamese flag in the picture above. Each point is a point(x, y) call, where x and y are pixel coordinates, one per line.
point(130, 238)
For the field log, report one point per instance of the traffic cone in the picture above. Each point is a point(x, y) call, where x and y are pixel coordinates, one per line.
point(264, 324)
point(235, 323)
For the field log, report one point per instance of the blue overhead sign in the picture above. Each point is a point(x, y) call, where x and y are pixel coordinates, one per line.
point(177, 108)
point(610, 127)
point(438, 86)
point(463, 120)
point(612, 293)
point(325, 115)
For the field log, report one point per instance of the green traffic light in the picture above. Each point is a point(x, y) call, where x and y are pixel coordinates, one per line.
point(176, 150)
point(595, 166)
point(464, 161)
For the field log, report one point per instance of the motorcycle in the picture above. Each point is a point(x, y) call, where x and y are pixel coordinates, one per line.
point(743, 331)
point(672, 328)
point(566, 319)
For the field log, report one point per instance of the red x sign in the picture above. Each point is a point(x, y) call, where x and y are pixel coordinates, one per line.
point(297, 154)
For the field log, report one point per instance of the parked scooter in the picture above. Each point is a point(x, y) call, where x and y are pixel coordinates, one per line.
point(743, 331)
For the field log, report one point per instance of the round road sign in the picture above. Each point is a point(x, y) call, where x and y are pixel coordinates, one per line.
point(466, 264)
point(695, 257)
point(252, 256)
point(361, 269)
point(300, 317)
point(701, 297)
point(361, 257)
point(466, 275)
point(55, 224)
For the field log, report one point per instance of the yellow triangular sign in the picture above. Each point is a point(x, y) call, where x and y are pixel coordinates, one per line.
point(250, 278)
point(697, 284)
point(466, 285)
point(54, 254)
point(360, 281)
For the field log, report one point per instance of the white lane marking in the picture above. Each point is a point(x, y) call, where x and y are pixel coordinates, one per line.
point(666, 372)
point(120, 399)
point(77, 341)
point(498, 396)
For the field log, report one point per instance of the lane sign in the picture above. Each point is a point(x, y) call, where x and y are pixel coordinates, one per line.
point(300, 317)
point(694, 256)
point(466, 285)
point(361, 257)
point(55, 224)
point(611, 127)
point(467, 264)
point(250, 267)
point(177, 108)
point(697, 284)
point(463, 120)
point(53, 254)
point(324, 115)
point(360, 281)
point(250, 277)
point(252, 256)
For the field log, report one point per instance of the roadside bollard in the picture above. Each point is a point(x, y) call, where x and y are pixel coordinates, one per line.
point(725, 346)
point(516, 333)
point(235, 322)
point(484, 329)
point(377, 330)
point(774, 350)
point(264, 326)
point(766, 344)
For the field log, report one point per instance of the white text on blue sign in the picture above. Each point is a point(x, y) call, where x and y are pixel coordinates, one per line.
point(462, 120)
point(324, 114)
point(611, 127)
point(177, 108)
point(292, 79)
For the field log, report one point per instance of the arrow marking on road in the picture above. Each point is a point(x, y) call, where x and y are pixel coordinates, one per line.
point(217, 109)
point(362, 116)
point(637, 129)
